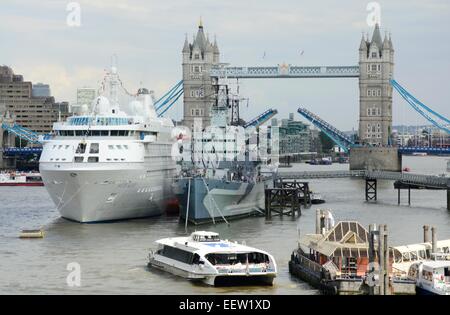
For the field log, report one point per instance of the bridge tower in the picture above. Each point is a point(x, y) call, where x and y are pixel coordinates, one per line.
point(376, 65)
point(7, 139)
point(199, 95)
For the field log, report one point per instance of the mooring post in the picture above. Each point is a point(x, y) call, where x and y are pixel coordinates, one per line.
point(308, 193)
point(372, 229)
point(318, 214)
point(381, 257)
point(267, 203)
point(409, 195)
point(433, 240)
point(426, 239)
point(448, 199)
point(386, 261)
point(398, 191)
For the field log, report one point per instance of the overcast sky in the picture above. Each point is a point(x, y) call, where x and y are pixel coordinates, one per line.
point(148, 36)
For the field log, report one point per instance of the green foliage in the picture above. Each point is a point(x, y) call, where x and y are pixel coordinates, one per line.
point(327, 143)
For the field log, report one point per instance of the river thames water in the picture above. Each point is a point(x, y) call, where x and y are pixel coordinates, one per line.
point(113, 256)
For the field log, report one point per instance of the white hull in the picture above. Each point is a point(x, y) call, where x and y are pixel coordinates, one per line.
point(107, 192)
point(211, 279)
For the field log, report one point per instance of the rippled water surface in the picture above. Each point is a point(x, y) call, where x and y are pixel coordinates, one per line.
point(113, 256)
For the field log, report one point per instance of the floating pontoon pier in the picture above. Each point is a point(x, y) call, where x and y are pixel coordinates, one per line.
point(346, 259)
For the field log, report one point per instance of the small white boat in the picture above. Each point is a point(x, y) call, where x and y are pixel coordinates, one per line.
point(205, 257)
point(432, 277)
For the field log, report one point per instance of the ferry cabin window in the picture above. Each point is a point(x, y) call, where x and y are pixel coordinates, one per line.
point(81, 148)
point(232, 259)
point(206, 238)
point(196, 259)
point(79, 133)
point(178, 254)
point(94, 148)
point(114, 133)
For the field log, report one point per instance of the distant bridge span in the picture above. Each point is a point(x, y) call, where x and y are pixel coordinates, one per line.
point(285, 71)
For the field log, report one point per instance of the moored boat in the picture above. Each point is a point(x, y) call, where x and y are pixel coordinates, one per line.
point(203, 256)
point(432, 277)
point(20, 179)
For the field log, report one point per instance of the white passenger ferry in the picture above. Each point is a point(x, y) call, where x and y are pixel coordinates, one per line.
point(205, 257)
point(432, 276)
point(406, 255)
point(108, 164)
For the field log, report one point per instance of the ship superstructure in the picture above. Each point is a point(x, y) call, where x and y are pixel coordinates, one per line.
point(109, 164)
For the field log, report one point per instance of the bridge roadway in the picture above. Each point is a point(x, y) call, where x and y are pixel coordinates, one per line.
point(429, 181)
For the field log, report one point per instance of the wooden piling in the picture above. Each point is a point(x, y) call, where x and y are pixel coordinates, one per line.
point(409, 195)
point(381, 258)
point(372, 271)
point(386, 261)
point(426, 239)
point(448, 199)
point(318, 215)
point(433, 240)
point(281, 201)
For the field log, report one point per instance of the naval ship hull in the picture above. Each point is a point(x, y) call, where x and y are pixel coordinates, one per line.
point(101, 195)
point(219, 200)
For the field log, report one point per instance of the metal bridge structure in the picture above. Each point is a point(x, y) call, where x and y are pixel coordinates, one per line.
point(341, 139)
point(21, 132)
point(428, 181)
point(345, 143)
point(438, 120)
point(163, 104)
point(284, 71)
point(261, 119)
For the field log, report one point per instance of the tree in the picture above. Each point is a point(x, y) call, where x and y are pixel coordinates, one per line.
point(327, 143)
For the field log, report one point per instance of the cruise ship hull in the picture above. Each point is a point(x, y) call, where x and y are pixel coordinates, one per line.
point(96, 195)
point(215, 199)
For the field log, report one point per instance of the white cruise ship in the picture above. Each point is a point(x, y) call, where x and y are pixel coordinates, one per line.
point(109, 165)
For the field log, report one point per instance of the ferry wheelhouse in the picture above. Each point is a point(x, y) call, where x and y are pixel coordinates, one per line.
point(205, 257)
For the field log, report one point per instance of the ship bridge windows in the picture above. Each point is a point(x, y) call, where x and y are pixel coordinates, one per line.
point(93, 159)
point(94, 148)
point(78, 159)
point(81, 148)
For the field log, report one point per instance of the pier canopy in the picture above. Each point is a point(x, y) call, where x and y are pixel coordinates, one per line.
point(345, 239)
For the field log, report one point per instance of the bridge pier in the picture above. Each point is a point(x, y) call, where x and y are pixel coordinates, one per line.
point(375, 158)
point(371, 190)
point(409, 195)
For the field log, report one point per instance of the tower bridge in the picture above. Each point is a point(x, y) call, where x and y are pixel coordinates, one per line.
point(202, 69)
point(285, 71)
